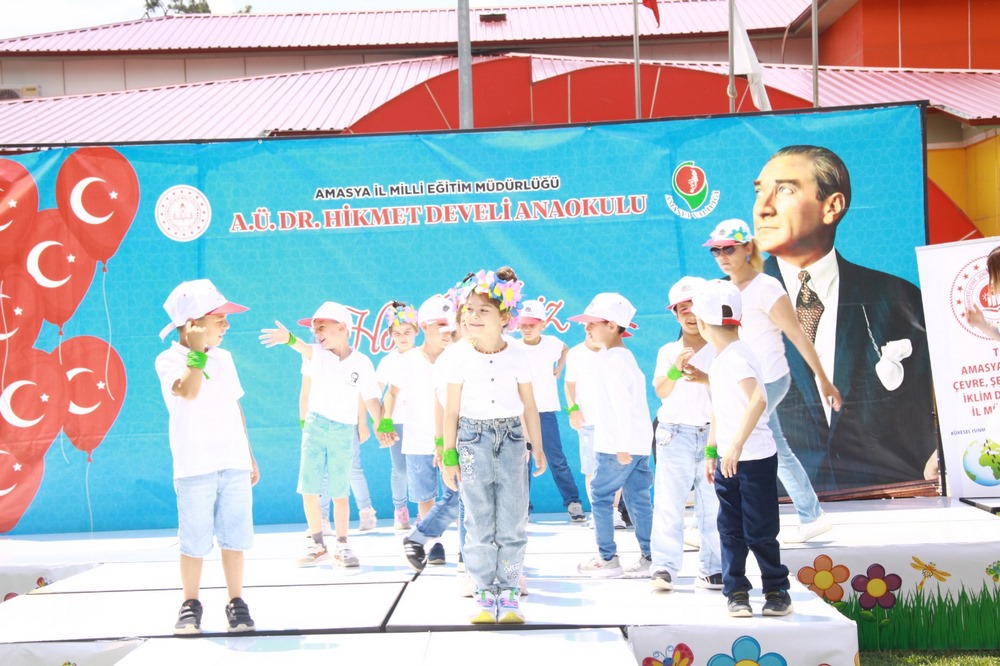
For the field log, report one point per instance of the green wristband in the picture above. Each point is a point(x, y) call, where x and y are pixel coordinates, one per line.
point(291, 339)
point(439, 442)
point(385, 426)
point(711, 452)
point(674, 374)
point(302, 424)
point(573, 408)
point(197, 359)
point(450, 457)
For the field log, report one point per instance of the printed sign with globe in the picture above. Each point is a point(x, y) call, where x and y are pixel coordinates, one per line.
point(982, 462)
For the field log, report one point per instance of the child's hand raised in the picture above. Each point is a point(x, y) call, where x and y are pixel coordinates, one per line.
point(272, 337)
point(194, 335)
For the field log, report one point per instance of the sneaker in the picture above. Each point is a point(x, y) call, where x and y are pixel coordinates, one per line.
point(189, 618)
point(367, 520)
point(239, 616)
point(344, 556)
point(486, 608)
point(461, 563)
point(640, 569)
point(576, 514)
point(315, 554)
point(711, 582)
point(436, 554)
point(739, 605)
point(522, 585)
point(415, 554)
point(692, 537)
point(619, 520)
point(810, 530)
point(509, 608)
point(401, 519)
point(598, 567)
point(662, 581)
point(466, 586)
point(777, 603)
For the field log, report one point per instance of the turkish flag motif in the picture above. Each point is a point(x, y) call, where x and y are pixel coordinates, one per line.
point(95, 396)
point(18, 205)
point(97, 191)
point(34, 401)
point(19, 482)
point(20, 310)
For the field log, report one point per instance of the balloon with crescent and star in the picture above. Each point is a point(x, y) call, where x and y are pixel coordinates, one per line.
point(18, 205)
point(19, 483)
point(20, 310)
point(34, 402)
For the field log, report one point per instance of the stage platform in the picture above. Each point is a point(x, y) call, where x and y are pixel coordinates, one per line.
point(112, 598)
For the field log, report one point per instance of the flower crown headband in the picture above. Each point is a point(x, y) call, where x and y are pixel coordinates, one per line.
point(507, 292)
point(400, 314)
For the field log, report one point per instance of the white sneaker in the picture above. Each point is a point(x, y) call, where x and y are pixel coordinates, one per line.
point(640, 569)
point(619, 521)
point(601, 568)
point(344, 556)
point(809, 530)
point(367, 520)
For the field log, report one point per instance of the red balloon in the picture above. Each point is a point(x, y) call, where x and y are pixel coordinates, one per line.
point(18, 205)
point(98, 195)
point(19, 482)
point(97, 386)
point(34, 402)
point(59, 265)
point(20, 310)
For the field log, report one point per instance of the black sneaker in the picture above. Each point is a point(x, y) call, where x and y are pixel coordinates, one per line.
point(777, 603)
point(415, 554)
point(189, 618)
point(436, 554)
point(739, 605)
point(711, 582)
point(661, 580)
point(239, 616)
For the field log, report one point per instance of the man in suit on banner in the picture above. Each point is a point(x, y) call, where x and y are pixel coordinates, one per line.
point(868, 328)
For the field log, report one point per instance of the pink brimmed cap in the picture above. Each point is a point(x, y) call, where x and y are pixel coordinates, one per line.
point(332, 311)
point(683, 290)
point(609, 307)
point(437, 309)
point(194, 299)
point(532, 312)
point(729, 232)
point(712, 297)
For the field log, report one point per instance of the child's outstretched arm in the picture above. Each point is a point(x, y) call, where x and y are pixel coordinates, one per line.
point(272, 337)
point(755, 408)
point(533, 425)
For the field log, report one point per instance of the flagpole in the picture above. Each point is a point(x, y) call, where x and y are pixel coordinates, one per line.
point(731, 91)
point(815, 53)
point(465, 119)
point(635, 53)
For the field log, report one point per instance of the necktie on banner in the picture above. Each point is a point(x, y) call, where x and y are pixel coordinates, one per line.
point(651, 4)
point(808, 307)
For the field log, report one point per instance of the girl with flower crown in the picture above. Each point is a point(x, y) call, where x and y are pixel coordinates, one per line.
point(485, 450)
point(402, 322)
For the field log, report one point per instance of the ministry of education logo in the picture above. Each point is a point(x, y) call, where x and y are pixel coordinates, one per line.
point(183, 213)
point(971, 286)
point(691, 187)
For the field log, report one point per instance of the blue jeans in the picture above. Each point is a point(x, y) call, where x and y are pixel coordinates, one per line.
point(444, 512)
point(493, 457)
point(790, 471)
point(635, 480)
point(680, 462)
point(748, 522)
point(555, 459)
point(397, 478)
point(219, 503)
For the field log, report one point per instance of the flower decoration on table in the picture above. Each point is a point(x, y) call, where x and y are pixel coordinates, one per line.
point(400, 313)
point(674, 655)
point(876, 587)
point(824, 578)
point(747, 652)
point(993, 571)
point(508, 292)
point(928, 570)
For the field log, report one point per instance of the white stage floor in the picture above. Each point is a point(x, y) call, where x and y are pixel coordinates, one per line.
point(113, 598)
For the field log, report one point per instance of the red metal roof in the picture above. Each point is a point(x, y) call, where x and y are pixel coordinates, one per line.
point(407, 28)
point(327, 101)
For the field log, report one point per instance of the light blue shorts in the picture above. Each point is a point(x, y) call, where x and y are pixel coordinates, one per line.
point(588, 459)
point(219, 504)
point(326, 445)
point(421, 477)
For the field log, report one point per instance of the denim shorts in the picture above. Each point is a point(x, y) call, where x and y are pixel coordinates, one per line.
point(326, 446)
point(421, 477)
point(588, 459)
point(219, 504)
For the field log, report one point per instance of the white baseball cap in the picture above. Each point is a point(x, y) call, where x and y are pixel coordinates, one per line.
point(194, 299)
point(332, 311)
point(729, 232)
point(532, 312)
point(683, 290)
point(609, 307)
point(437, 309)
point(711, 297)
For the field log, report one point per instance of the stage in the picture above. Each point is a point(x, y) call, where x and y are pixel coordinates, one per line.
point(113, 597)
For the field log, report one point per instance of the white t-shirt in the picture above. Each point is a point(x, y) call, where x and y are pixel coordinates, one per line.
point(489, 381)
point(581, 361)
point(414, 375)
point(542, 358)
point(757, 330)
point(690, 403)
point(336, 385)
point(729, 402)
point(620, 412)
point(206, 434)
point(441, 368)
point(383, 372)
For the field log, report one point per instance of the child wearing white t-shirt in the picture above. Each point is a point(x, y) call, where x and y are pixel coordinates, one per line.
point(334, 378)
point(683, 419)
point(546, 358)
point(741, 457)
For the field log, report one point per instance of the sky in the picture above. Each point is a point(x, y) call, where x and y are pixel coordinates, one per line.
point(32, 17)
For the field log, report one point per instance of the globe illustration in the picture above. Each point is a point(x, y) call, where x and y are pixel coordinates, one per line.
point(981, 462)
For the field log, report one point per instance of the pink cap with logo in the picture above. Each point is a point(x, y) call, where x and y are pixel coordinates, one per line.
point(611, 307)
point(332, 311)
point(729, 232)
point(532, 312)
point(437, 309)
point(683, 290)
point(194, 299)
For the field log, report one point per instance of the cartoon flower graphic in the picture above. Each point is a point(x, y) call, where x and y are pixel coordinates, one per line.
point(876, 587)
point(746, 652)
point(824, 578)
